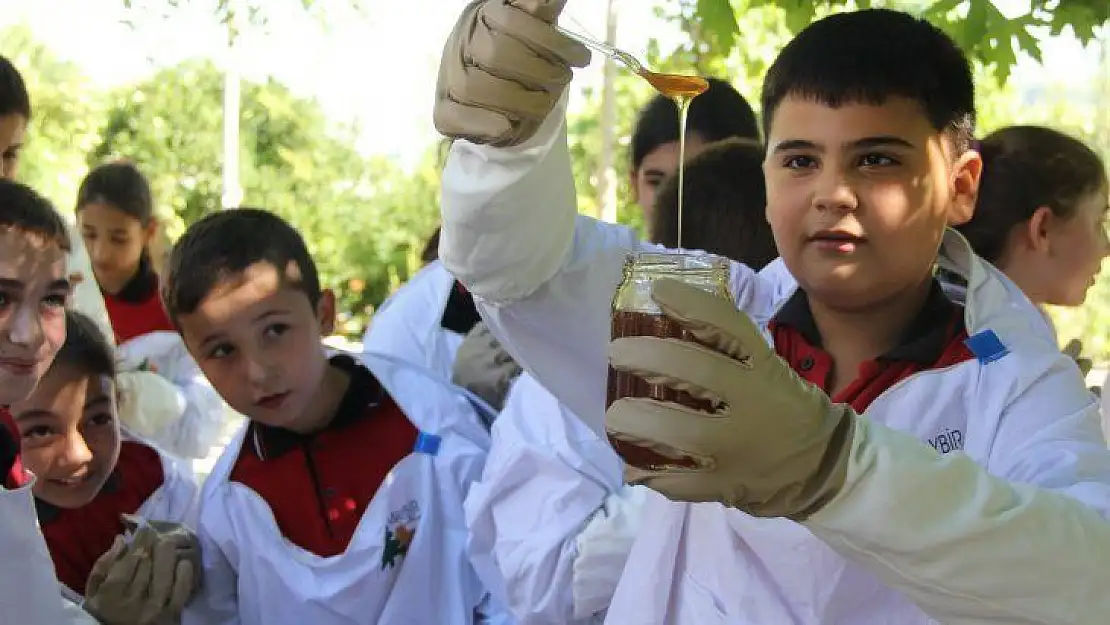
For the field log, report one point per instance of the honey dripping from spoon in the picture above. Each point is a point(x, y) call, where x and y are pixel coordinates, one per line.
point(683, 90)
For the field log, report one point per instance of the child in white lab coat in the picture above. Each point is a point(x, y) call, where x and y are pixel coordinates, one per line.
point(562, 562)
point(975, 431)
point(340, 501)
point(33, 245)
point(88, 477)
point(1041, 217)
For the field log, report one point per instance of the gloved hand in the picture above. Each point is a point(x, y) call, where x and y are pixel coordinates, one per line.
point(148, 402)
point(777, 446)
point(146, 581)
point(1074, 350)
point(503, 69)
point(484, 368)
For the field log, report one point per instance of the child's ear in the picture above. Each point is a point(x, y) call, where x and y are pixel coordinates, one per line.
point(966, 174)
point(325, 312)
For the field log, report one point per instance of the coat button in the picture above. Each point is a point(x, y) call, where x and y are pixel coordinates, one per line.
point(806, 364)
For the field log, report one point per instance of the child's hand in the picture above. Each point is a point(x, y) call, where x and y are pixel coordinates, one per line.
point(147, 581)
point(483, 367)
point(1074, 350)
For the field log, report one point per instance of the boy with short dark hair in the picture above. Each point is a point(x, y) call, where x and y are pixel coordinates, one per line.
point(340, 501)
point(959, 432)
point(34, 289)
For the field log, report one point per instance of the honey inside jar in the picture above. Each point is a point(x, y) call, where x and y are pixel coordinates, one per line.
point(636, 314)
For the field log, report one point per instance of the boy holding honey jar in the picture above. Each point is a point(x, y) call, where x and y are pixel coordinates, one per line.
point(872, 452)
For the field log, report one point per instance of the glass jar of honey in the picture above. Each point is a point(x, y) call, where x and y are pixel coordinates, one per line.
point(636, 314)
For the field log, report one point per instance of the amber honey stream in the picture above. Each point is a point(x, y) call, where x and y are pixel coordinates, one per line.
point(683, 90)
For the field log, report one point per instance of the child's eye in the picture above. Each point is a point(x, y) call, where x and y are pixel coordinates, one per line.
point(275, 330)
point(222, 350)
point(104, 418)
point(38, 431)
point(5, 300)
point(876, 160)
point(799, 162)
point(55, 300)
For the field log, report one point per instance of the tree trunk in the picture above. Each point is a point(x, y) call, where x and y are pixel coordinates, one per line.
point(606, 171)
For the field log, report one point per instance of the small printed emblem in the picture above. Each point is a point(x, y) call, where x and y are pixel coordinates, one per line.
point(400, 530)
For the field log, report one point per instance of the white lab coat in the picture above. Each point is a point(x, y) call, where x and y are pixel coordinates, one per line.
point(914, 536)
point(254, 576)
point(552, 512)
point(178, 498)
point(1104, 403)
point(185, 417)
point(29, 590)
point(408, 324)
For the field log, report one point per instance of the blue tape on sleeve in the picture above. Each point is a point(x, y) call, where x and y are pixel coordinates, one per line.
point(987, 347)
point(427, 444)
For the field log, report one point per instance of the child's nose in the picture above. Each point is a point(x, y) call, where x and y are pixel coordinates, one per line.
point(77, 453)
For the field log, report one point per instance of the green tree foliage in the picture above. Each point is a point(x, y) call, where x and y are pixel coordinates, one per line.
point(364, 220)
point(988, 34)
point(65, 117)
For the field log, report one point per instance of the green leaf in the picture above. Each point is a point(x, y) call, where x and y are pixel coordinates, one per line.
point(718, 22)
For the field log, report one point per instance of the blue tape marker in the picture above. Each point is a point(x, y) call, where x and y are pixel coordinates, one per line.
point(987, 347)
point(427, 444)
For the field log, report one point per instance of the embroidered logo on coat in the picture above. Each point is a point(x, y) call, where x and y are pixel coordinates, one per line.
point(400, 529)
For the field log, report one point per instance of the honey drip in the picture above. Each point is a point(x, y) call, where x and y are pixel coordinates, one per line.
point(683, 90)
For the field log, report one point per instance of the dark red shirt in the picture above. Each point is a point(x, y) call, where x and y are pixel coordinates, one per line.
point(137, 309)
point(936, 338)
point(11, 467)
point(319, 485)
point(76, 537)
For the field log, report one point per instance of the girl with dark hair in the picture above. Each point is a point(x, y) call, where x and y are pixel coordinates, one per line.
point(175, 407)
point(115, 211)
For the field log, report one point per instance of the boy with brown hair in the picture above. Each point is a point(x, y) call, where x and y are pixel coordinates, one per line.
point(958, 434)
point(33, 291)
point(340, 500)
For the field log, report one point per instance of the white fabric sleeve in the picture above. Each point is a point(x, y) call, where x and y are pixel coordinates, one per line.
point(217, 600)
point(603, 548)
point(544, 480)
point(543, 276)
point(180, 412)
point(508, 213)
point(1025, 546)
point(30, 593)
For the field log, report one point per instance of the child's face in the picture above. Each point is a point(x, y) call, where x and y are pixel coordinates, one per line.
point(13, 126)
point(1070, 252)
point(70, 435)
point(858, 197)
point(257, 339)
point(660, 164)
point(33, 292)
point(115, 242)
